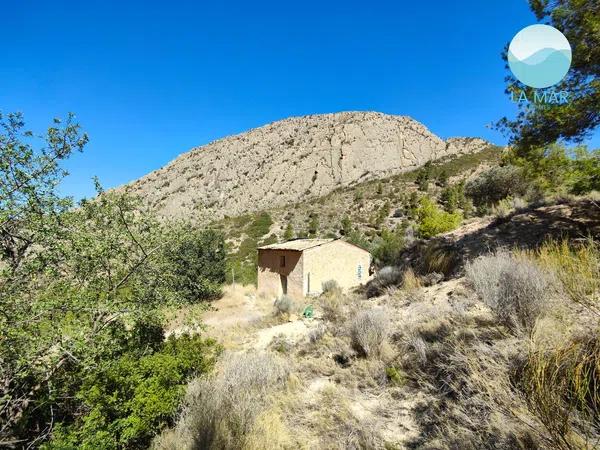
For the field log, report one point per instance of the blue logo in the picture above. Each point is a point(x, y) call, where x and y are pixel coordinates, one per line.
point(539, 56)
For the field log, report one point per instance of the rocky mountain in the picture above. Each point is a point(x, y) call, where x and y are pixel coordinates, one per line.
point(290, 161)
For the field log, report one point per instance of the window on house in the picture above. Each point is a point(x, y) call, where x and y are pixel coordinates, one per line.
point(282, 261)
point(359, 272)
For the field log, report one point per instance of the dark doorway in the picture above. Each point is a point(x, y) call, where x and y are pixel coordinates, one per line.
point(283, 279)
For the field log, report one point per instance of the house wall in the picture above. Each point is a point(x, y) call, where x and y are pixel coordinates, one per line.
point(269, 271)
point(337, 261)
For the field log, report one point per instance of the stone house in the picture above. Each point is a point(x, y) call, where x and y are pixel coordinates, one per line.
point(299, 267)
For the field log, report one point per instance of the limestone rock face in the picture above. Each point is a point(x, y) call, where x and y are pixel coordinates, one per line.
point(290, 161)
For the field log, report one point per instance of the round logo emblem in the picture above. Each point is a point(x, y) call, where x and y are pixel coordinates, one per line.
point(539, 56)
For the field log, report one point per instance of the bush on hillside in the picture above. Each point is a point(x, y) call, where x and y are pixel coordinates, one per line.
point(221, 411)
point(128, 400)
point(518, 291)
point(495, 184)
point(197, 261)
point(260, 225)
point(433, 221)
point(388, 247)
point(369, 331)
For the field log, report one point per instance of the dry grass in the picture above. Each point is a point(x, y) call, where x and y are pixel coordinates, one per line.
point(562, 385)
point(410, 281)
point(224, 410)
point(576, 265)
point(439, 258)
point(369, 332)
point(330, 286)
point(464, 363)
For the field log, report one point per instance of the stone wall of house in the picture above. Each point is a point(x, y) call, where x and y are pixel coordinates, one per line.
point(339, 261)
point(270, 272)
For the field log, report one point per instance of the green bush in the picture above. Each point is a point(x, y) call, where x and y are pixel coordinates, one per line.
point(260, 225)
point(496, 184)
point(289, 232)
point(453, 197)
point(127, 401)
point(433, 221)
point(389, 246)
point(197, 263)
point(424, 175)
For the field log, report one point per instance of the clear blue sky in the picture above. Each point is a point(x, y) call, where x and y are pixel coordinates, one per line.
point(149, 80)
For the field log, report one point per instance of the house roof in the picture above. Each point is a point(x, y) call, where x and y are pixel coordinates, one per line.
point(296, 244)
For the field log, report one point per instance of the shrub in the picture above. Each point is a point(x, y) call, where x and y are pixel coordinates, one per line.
point(495, 184)
point(284, 304)
point(562, 387)
point(221, 410)
point(410, 281)
point(388, 248)
point(369, 331)
point(516, 290)
point(315, 334)
point(433, 221)
point(385, 277)
point(289, 232)
point(577, 267)
point(453, 197)
point(332, 305)
point(424, 175)
point(330, 286)
point(197, 262)
point(133, 397)
point(260, 225)
point(439, 258)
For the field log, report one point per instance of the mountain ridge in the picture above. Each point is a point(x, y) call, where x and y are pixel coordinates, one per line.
point(291, 160)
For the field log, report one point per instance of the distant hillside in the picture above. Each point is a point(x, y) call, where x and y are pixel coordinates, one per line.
point(364, 209)
point(292, 161)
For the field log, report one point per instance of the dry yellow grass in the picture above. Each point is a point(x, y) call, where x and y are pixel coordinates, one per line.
point(576, 265)
point(410, 281)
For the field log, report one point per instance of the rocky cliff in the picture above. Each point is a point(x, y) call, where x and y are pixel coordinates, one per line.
point(290, 161)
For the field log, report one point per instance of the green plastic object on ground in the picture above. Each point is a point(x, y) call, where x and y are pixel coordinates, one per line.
point(308, 311)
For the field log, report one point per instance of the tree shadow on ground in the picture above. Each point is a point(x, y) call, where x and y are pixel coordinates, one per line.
point(526, 229)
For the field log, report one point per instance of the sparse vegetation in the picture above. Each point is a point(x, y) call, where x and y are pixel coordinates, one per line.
point(496, 184)
point(516, 290)
point(222, 410)
point(284, 304)
point(369, 331)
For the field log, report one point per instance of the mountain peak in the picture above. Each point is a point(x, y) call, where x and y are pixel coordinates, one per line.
point(291, 160)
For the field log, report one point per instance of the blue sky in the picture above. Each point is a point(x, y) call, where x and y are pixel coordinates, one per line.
point(149, 80)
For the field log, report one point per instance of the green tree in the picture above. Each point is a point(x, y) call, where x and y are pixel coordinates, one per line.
point(289, 232)
point(29, 204)
point(79, 287)
point(313, 225)
point(453, 197)
point(389, 246)
point(196, 263)
point(538, 125)
point(496, 184)
point(346, 226)
point(424, 176)
point(442, 178)
point(433, 221)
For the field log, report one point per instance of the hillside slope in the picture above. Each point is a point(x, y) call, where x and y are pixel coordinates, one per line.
point(290, 161)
